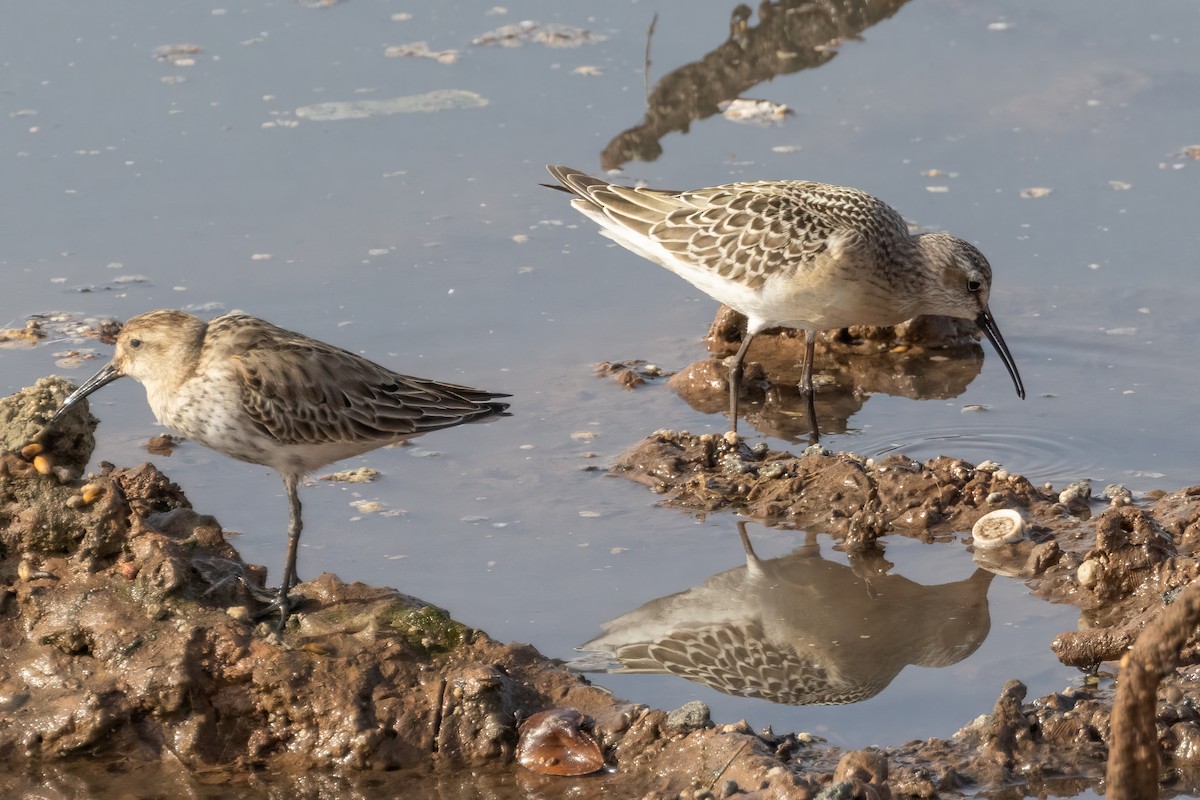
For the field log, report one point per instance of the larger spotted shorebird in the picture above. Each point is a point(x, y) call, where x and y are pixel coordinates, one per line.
point(795, 254)
point(262, 394)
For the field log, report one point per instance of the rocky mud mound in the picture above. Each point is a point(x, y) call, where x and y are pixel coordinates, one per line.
point(128, 640)
point(924, 358)
point(1121, 563)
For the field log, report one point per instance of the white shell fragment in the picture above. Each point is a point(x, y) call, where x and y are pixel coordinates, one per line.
point(756, 112)
point(998, 528)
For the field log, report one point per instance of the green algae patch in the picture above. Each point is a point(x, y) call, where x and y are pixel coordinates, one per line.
point(427, 628)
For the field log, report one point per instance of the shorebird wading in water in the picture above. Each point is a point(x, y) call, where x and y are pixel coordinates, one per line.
point(265, 395)
point(795, 254)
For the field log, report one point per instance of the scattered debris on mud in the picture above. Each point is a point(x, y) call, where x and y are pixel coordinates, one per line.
point(629, 374)
point(29, 336)
point(163, 445)
point(64, 326)
point(548, 34)
point(421, 50)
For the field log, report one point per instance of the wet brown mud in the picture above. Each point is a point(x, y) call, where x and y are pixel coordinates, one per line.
point(129, 642)
point(924, 358)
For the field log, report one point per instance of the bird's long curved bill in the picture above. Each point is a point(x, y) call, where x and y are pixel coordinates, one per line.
point(988, 325)
point(102, 378)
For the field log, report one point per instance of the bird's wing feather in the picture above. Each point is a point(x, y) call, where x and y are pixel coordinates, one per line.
point(748, 231)
point(302, 391)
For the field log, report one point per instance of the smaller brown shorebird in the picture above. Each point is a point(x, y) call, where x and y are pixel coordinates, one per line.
point(262, 394)
point(795, 254)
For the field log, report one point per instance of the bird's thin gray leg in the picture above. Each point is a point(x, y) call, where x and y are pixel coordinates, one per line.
point(735, 380)
point(814, 436)
point(810, 350)
point(806, 384)
point(295, 525)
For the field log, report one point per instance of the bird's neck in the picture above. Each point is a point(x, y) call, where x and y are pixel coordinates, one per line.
point(921, 273)
point(164, 388)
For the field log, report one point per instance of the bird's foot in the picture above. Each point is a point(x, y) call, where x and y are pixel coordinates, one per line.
point(277, 601)
point(261, 594)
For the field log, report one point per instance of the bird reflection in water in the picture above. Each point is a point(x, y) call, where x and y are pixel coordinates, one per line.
point(799, 629)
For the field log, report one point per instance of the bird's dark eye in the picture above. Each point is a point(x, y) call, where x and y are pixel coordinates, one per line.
point(974, 285)
point(135, 343)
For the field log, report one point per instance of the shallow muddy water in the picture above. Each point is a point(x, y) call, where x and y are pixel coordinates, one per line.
point(420, 238)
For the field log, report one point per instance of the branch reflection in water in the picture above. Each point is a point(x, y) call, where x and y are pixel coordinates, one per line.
point(790, 36)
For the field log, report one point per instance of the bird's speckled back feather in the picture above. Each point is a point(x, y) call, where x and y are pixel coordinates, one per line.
point(300, 390)
point(747, 232)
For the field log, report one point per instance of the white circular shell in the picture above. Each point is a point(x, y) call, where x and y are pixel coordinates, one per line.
point(998, 528)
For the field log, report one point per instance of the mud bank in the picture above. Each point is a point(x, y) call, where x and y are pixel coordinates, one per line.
point(128, 642)
point(1121, 563)
point(924, 358)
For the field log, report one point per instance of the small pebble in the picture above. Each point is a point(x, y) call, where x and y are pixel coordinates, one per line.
point(689, 717)
point(773, 470)
point(1089, 572)
point(731, 464)
point(554, 742)
point(1118, 494)
point(1079, 490)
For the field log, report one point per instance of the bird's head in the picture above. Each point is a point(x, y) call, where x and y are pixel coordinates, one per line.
point(155, 347)
point(960, 285)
